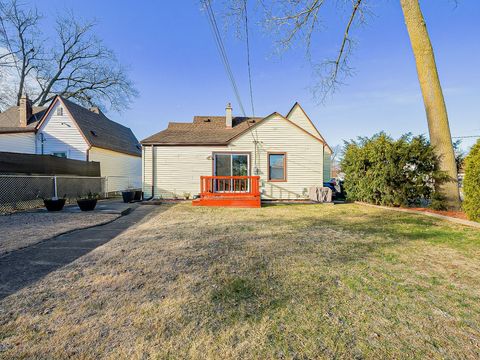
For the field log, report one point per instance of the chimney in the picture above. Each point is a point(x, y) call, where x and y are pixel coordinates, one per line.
point(95, 109)
point(25, 110)
point(228, 116)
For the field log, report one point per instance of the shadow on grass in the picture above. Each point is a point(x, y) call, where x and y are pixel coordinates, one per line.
point(23, 267)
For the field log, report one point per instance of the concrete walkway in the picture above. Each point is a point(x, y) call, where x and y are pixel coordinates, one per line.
point(108, 206)
point(23, 267)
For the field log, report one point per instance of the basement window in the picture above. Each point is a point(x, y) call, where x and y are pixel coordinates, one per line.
point(61, 154)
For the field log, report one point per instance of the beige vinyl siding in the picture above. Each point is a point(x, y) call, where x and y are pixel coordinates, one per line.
point(147, 170)
point(178, 168)
point(121, 170)
point(61, 134)
point(304, 158)
point(18, 143)
point(327, 165)
point(298, 117)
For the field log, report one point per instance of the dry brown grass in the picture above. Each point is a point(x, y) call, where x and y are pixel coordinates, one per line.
point(297, 281)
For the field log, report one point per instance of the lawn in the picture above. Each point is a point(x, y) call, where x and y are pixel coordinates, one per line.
point(291, 281)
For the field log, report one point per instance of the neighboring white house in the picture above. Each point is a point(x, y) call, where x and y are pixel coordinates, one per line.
point(288, 153)
point(66, 129)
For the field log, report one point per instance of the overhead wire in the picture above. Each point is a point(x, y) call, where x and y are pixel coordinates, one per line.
point(222, 52)
point(248, 57)
point(223, 55)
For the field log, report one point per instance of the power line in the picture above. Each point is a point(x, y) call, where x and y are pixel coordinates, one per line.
point(248, 58)
point(228, 69)
point(466, 137)
point(222, 52)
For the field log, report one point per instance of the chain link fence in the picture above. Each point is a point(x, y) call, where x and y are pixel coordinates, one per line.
point(114, 185)
point(22, 192)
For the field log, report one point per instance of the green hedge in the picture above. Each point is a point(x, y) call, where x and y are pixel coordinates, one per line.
point(384, 171)
point(471, 183)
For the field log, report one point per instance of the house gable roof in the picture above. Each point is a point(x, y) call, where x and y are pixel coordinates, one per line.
point(298, 106)
point(204, 130)
point(10, 123)
point(211, 130)
point(98, 130)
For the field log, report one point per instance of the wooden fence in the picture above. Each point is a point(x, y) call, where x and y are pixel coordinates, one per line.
point(16, 163)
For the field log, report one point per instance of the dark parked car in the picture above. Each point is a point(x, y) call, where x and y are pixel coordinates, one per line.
point(337, 188)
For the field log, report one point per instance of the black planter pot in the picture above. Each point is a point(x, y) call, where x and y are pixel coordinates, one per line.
point(128, 196)
point(87, 204)
point(138, 195)
point(54, 205)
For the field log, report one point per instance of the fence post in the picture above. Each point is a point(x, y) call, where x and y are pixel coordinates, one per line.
point(105, 184)
point(55, 187)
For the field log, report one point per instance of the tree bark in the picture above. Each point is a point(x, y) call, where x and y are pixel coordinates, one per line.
point(433, 99)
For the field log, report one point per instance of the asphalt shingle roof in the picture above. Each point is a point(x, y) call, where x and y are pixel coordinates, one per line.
point(204, 130)
point(10, 120)
point(102, 132)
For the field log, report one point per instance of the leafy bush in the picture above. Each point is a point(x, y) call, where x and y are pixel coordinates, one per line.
point(438, 201)
point(384, 171)
point(471, 183)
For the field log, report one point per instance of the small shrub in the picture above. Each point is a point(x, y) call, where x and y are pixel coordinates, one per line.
point(439, 201)
point(471, 183)
point(384, 171)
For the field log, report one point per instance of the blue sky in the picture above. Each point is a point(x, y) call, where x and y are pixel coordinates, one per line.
point(170, 50)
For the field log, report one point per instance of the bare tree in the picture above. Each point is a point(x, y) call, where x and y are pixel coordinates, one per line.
point(78, 65)
point(298, 20)
point(83, 68)
point(20, 37)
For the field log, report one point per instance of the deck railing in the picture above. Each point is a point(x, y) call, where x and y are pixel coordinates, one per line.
point(229, 186)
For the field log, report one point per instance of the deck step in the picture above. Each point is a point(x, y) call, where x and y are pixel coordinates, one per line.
point(239, 202)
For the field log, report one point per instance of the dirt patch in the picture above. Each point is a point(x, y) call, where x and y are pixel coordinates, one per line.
point(24, 229)
point(451, 213)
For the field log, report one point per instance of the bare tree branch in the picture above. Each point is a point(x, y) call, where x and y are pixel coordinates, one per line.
point(296, 21)
point(79, 65)
point(19, 34)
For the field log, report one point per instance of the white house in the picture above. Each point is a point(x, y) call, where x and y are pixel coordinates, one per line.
point(288, 153)
point(69, 130)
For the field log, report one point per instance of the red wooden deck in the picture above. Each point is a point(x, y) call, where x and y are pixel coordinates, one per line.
point(229, 191)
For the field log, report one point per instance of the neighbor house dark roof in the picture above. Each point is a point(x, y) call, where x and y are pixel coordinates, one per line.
point(98, 130)
point(204, 130)
point(10, 120)
point(102, 132)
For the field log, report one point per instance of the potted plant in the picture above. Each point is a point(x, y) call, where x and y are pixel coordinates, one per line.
point(54, 203)
point(187, 195)
point(128, 195)
point(88, 202)
point(138, 195)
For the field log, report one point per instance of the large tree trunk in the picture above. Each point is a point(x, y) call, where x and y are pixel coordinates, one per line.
point(437, 117)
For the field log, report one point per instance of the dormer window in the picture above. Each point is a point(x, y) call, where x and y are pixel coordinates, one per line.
point(60, 111)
